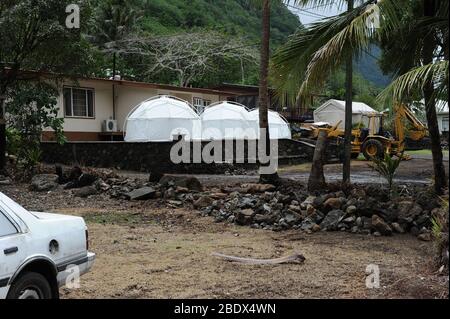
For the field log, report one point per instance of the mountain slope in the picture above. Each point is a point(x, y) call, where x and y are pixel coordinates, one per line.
point(367, 66)
point(233, 17)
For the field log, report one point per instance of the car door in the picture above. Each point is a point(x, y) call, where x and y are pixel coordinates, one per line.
point(12, 250)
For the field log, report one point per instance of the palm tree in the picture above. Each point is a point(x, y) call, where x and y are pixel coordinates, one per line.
point(264, 81)
point(264, 87)
point(304, 63)
point(114, 21)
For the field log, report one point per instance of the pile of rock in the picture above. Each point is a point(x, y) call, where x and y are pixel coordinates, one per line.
point(5, 180)
point(362, 210)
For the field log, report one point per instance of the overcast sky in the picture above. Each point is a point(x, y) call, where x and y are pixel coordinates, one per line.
point(310, 14)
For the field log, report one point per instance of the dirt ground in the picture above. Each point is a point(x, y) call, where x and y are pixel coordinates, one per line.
point(147, 250)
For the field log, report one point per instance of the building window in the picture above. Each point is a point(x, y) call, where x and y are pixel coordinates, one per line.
point(200, 104)
point(78, 102)
point(445, 124)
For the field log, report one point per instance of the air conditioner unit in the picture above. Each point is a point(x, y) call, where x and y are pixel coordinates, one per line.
point(109, 126)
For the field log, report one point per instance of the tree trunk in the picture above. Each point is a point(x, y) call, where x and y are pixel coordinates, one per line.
point(316, 177)
point(2, 141)
point(440, 181)
point(2, 131)
point(264, 88)
point(348, 112)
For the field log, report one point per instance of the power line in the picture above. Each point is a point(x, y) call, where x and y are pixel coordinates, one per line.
point(316, 15)
point(370, 54)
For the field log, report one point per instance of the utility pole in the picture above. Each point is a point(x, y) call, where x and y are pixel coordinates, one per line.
point(114, 86)
point(348, 111)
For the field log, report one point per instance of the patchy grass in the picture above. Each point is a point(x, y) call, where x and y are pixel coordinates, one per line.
point(425, 152)
point(116, 218)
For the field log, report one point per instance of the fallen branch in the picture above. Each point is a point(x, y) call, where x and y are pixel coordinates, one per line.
point(292, 259)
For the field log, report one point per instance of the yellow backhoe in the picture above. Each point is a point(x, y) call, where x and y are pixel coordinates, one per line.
point(374, 141)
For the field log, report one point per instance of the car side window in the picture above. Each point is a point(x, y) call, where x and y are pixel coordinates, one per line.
point(6, 227)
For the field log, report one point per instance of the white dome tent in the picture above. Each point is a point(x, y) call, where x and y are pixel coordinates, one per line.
point(333, 111)
point(278, 126)
point(227, 120)
point(161, 119)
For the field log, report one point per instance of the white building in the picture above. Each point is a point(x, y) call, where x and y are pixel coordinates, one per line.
point(442, 116)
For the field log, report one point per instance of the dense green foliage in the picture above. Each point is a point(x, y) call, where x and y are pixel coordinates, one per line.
point(231, 17)
point(31, 107)
point(129, 30)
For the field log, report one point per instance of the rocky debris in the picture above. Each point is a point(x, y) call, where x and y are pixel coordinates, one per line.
point(379, 225)
point(85, 191)
point(44, 182)
point(332, 203)
point(245, 216)
point(351, 210)
point(76, 178)
point(294, 208)
point(65, 176)
point(332, 220)
point(143, 193)
point(308, 201)
point(397, 228)
point(308, 224)
point(83, 180)
point(424, 237)
point(361, 210)
point(203, 201)
point(191, 183)
point(5, 180)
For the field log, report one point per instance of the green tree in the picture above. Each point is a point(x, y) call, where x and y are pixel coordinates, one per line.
point(32, 106)
point(304, 63)
point(114, 21)
point(33, 36)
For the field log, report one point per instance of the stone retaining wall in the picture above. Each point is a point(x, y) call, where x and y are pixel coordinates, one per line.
point(155, 156)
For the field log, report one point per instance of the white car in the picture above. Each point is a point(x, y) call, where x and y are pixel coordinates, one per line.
point(40, 252)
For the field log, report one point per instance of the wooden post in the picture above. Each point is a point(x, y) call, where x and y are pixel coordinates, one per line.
point(316, 177)
point(348, 112)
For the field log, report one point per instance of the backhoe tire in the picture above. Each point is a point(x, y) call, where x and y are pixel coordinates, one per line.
point(372, 148)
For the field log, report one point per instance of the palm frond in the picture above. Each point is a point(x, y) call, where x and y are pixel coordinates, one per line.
point(416, 79)
point(305, 62)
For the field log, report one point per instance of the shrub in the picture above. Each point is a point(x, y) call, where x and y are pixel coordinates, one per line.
point(387, 167)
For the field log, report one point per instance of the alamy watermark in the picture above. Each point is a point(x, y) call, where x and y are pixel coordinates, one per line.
point(73, 277)
point(373, 276)
point(227, 150)
point(73, 17)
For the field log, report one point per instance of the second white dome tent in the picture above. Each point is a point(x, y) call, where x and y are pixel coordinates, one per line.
point(160, 119)
point(278, 126)
point(227, 120)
